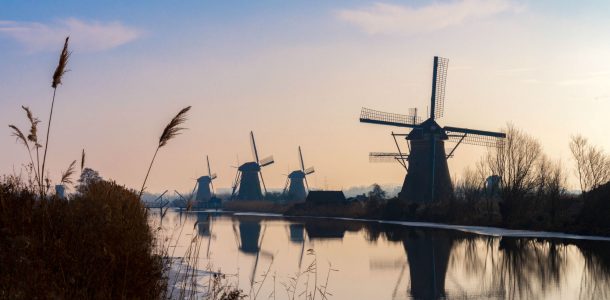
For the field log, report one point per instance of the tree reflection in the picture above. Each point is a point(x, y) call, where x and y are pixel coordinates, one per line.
point(595, 280)
point(499, 267)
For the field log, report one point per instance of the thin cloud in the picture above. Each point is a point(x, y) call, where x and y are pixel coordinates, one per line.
point(84, 35)
point(382, 18)
point(591, 78)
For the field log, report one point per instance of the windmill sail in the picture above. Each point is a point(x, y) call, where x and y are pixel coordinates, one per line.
point(475, 137)
point(387, 156)
point(267, 161)
point(439, 81)
point(301, 159)
point(212, 176)
point(253, 145)
point(368, 115)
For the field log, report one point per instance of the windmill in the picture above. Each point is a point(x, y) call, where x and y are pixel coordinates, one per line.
point(205, 190)
point(247, 185)
point(428, 176)
point(294, 182)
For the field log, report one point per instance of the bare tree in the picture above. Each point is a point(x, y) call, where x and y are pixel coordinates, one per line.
point(592, 164)
point(515, 162)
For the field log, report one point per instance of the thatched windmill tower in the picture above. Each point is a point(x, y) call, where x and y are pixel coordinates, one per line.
point(205, 186)
point(296, 187)
point(247, 185)
point(428, 176)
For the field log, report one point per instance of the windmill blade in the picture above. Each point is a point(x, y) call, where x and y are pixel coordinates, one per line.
point(450, 129)
point(253, 145)
point(475, 137)
point(306, 184)
point(368, 115)
point(263, 181)
point(267, 161)
point(286, 186)
point(301, 160)
point(309, 170)
point(383, 157)
point(212, 176)
point(439, 80)
point(235, 184)
point(477, 140)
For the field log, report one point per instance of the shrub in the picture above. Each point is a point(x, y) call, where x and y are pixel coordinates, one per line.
point(96, 245)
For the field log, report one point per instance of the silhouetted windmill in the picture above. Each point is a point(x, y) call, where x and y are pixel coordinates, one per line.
point(428, 176)
point(247, 185)
point(205, 186)
point(294, 182)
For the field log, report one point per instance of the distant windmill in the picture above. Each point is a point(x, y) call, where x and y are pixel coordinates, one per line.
point(428, 176)
point(205, 190)
point(294, 182)
point(247, 185)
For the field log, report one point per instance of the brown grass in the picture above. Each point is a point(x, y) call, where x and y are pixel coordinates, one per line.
point(61, 65)
point(96, 245)
point(171, 130)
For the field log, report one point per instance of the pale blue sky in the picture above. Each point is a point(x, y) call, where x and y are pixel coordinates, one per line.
point(296, 73)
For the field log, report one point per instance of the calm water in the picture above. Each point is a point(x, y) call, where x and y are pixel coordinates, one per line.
point(381, 261)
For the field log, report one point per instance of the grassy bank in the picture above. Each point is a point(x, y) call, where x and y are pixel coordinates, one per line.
point(96, 245)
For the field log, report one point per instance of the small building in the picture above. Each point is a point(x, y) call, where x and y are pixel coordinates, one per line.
point(60, 191)
point(326, 197)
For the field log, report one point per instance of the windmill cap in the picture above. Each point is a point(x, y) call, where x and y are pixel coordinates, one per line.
point(296, 174)
point(426, 128)
point(204, 179)
point(250, 167)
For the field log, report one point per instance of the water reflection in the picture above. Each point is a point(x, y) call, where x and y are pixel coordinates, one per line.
point(385, 261)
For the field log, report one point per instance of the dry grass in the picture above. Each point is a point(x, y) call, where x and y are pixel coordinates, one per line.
point(61, 65)
point(171, 130)
point(96, 245)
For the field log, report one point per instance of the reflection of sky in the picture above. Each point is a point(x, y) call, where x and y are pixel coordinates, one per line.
point(380, 268)
point(296, 73)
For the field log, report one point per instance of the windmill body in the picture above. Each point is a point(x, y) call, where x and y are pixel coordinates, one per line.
point(296, 187)
point(428, 178)
point(247, 184)
point(204, 193)
point(419, 172)
point(205, 186)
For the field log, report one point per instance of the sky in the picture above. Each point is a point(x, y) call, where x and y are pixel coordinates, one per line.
point(297, 74)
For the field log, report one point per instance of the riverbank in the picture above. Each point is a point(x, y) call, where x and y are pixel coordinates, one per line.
point(455, 215)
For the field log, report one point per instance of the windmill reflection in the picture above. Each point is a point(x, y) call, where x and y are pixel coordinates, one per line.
point(204, 228)
point(297, 235)
point(249, 238)
point(428, 258)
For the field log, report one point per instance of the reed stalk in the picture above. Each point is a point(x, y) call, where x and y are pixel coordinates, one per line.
point(171, 130)
point(57, 76)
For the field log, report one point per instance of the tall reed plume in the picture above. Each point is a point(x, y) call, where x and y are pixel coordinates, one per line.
point(32, 138)
point(66, 177)
point(57, 76)
point(82, 161)
point(171, 130)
